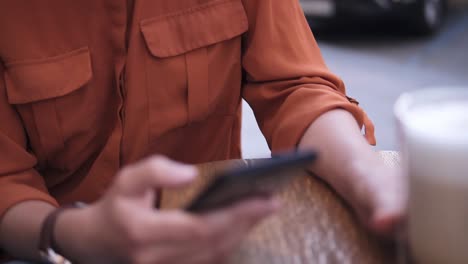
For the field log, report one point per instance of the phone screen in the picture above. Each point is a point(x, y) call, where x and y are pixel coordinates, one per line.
point(263, 178)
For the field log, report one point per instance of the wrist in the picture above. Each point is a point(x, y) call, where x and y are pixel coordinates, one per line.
point(20, 228)
point(72, 235)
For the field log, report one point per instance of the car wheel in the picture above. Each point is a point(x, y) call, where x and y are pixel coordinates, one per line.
point(430, 15)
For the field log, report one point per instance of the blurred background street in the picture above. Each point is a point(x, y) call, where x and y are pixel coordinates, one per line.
point(380, 60)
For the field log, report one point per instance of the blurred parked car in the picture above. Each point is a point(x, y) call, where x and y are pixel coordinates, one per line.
point(425, 16)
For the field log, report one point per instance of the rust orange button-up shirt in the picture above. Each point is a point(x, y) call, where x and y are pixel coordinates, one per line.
point(91, 85)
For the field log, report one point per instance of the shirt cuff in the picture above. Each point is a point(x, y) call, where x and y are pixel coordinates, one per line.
point(290, 131)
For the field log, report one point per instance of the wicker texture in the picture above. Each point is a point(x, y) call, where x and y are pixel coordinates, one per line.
point(314, 225)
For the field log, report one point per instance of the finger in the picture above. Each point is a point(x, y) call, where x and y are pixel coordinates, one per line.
point(177, 235)
point(193, 252)
point(380, 200)
point(387, 223)
point(388, 215)
point(172, 226)
point(228, 228)
point(155, 172)
point(253, 213)
point(244, 214)
point(179, 226)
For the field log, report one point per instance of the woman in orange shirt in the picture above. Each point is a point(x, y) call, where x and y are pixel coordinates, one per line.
point(91, 90)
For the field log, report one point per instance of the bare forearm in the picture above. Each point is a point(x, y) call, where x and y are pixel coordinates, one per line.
point(20, 228)
point(343, 149)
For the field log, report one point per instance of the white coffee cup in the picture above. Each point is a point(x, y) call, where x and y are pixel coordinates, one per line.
point(433, 130)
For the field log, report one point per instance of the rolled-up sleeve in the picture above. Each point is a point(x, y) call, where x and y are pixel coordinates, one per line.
point(19, 181)
point(286, 81)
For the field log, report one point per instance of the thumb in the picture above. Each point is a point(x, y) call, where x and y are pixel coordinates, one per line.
point(153, 173)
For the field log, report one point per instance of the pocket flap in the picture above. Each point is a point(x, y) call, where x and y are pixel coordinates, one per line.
point(187, 30)
point(30, 81)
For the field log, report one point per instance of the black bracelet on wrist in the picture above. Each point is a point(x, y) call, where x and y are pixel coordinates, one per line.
point(48, 248)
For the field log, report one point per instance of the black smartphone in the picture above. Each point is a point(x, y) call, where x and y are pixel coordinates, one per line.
point(261, 179)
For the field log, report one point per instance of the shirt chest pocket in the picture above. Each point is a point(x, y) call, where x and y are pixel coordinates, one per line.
point(37, 88)
point(192, 57)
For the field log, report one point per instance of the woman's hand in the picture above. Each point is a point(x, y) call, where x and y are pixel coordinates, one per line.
point(124, 227)
point(349, 164)
point(377, 193)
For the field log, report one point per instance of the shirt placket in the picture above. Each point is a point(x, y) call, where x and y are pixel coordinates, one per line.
point(123, 18)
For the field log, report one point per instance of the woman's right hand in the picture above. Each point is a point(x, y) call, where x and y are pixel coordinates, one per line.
point(124, 226)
